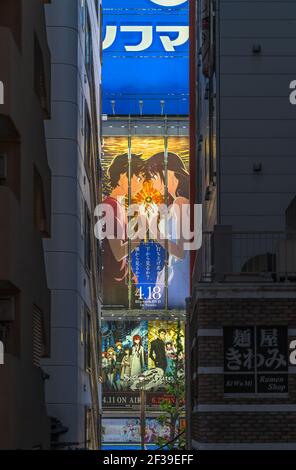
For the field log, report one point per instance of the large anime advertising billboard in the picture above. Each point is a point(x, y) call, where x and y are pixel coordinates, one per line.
point(150, 272)
point(146, 350)
point(146, 57)
point(127, 431)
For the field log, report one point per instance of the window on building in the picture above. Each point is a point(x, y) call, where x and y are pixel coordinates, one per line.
point(11, 17)
point(97, 3)
point(38, 336)
point(88, 427)
point(39, 76)
point(100, 266)
point(88, 48)
point(212, 131)
point(10, 166)
point(87, 339)
point(87, 238)
point(194, 386)
point(87, 140)
point(10, 321)
point(290, 216)
point(39, 205)
point(82, 325)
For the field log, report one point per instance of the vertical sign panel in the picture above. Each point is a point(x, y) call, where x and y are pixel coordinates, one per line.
point(115, 249)
point(148, 259)
point(178, 191)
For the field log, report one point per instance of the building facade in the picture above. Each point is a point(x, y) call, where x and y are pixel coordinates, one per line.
point(243, 281)
point(73, 141)
point(25, 217)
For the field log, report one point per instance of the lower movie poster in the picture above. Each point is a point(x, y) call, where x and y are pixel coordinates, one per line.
point(134, 349)
point(124, 353)
point(127, 431)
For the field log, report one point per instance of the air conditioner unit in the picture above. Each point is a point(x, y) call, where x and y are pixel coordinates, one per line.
point(3, 167)
point(7, 309)
point(286, 258)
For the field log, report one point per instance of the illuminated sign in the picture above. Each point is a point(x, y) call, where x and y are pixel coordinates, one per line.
point(146, 36)
point(127, 430)
point(124, 353)
point(145, 57)
point(152, 350)
point(169, 3)
point(152, 272)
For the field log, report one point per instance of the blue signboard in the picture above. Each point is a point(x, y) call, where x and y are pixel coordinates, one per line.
point(145, 57)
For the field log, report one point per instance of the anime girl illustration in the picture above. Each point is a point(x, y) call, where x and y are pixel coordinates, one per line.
point(105, 365)
point(111, 368)
point(131, 430)
point(178, 195)
point(116, 247)
point(137, 357)
point(126, 365)
point(171, 357)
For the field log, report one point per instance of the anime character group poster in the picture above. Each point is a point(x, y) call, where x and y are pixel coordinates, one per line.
point(149, 349)
point(127, 430)
point(148, 272)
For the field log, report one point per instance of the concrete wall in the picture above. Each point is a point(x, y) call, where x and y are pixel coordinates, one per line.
point(256, 119)
point(238, 421)
point(69, 387)
point(24, 423)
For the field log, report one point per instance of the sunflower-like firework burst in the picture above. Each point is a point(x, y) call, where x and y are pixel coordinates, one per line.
point(148, 195)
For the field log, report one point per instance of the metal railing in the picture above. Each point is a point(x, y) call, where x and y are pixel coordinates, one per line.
point(228, 255)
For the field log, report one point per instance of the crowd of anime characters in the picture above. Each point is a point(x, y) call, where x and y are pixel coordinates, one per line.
point(131, 431)
point(124, 359)
point(121, 363)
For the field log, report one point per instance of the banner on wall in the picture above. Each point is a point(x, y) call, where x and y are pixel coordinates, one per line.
point(150, 172)
point(124, 353)
point(131, 400)
point(131, 349)
point(127, 430)
point(145, 56)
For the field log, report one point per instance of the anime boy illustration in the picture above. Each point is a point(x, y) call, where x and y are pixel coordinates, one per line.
point(115, 249)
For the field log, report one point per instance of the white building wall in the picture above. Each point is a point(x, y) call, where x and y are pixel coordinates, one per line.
point(68, 388)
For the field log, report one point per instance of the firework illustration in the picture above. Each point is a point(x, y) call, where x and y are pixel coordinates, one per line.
point(148, 195)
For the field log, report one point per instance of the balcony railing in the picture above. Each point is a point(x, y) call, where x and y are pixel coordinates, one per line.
point(246, 256)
